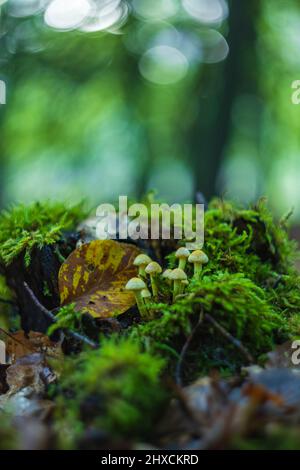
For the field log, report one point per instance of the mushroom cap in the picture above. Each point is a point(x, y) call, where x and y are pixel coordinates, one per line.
point(146, 293)
point(178, 275)
point(142, 260)
point(198, 256)
point(135, 284)
point(153, 268)
point(166, 273)
point(182, 252)
point(185, 282)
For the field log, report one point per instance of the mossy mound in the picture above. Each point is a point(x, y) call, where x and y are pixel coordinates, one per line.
point(235, 301)
point(250, 286)
point(24, 227)
point(116, 389)
point(248, 241)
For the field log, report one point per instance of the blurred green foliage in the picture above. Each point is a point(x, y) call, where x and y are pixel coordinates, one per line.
point(156, 101)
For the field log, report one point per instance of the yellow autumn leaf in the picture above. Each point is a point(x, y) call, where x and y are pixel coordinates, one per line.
point(94, 276)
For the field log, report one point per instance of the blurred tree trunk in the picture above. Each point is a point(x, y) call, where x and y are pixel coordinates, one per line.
point(135, 105)
point(238, 74)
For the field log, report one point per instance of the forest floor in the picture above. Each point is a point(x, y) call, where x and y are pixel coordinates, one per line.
point(180, 352)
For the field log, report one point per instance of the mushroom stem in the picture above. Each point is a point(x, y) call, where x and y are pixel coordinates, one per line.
point(182, 263)
point(142, 272)
point(141, 261)
point(136, 285)
point(140, 304)
point(153, 269)
point(177, 275)
point(182, 255)
point(176, 290)
point(166, 277)
point(198, 258)
point(197, 270)
point(147, 309)
point(183, 285)
point(146, 296)
point(154, 285)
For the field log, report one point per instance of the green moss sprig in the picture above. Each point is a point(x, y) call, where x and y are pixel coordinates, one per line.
point(116, 389)
point(38, 224)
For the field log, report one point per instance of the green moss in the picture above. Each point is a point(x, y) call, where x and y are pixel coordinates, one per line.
point(5, 308)
point(235, 302)
point(46, 289)
point(285, 297)
point(67, 317)
point(116, 389)
point(241, 307)
point(24, 227)
point(294, 326)
point(250, 286)
point(247, 241)
point(5, 292)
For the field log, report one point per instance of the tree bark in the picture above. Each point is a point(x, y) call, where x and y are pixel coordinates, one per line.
point(238, 74)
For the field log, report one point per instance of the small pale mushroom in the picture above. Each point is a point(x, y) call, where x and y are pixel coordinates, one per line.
point(177, 275)
point(198, 258)
point(146, 296)
point(141, 261)
point(136, 285)
point(183, 285)
point(166, 275)
point(182, 255)
point(153, 269)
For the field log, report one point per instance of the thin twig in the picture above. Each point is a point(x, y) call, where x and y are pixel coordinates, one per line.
point(184, 351)
point(231, 338)
point(48, 314)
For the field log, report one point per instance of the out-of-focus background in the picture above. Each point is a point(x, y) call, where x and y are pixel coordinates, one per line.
point(110, 97)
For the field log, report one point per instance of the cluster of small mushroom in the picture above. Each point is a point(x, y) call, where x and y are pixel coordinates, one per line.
point(138, 286)
point(176, 276)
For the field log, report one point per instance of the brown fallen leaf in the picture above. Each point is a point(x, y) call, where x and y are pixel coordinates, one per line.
point(27, 381)
point(281, 382)
point(94, 277)
point(195, 413)
point(31, 370)
point(212, 413)
point(19, 344)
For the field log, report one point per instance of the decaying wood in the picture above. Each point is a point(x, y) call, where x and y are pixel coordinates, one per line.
point(52, 319)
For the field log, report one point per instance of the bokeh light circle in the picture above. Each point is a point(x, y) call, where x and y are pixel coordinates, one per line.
point(110, 15)
point(206, 11)
point(163, 65)
point(155, 9)
point(215, 46)
point(67, 15)
point(22, 8)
